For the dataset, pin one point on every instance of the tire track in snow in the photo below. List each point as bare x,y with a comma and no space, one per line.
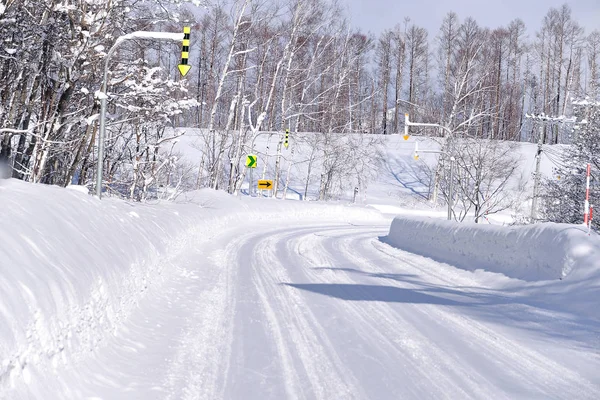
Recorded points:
406,357
310,368
250,336
201,360
521,366
527,364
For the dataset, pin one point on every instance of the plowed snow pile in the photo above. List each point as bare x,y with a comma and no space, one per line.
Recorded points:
74,267
554,258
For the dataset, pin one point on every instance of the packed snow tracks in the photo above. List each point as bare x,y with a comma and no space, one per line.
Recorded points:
329,311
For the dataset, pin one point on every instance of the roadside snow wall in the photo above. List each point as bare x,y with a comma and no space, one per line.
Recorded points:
532,253
73,268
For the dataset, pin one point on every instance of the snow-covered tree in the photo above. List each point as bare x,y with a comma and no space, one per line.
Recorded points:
564,192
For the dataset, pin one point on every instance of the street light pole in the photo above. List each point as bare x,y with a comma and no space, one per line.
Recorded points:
102,95
408,123
450,184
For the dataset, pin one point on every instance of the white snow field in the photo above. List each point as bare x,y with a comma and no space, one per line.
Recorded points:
398,184
218,297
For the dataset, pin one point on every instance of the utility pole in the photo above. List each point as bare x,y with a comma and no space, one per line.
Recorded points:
543,120
536,182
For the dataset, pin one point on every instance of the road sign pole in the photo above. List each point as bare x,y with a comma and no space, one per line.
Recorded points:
250,183
250,164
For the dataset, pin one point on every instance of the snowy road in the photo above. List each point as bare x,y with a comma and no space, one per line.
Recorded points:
329,311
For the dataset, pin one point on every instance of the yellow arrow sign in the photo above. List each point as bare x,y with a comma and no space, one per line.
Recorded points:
265,184
184,67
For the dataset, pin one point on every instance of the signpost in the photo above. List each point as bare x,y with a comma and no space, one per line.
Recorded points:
251,164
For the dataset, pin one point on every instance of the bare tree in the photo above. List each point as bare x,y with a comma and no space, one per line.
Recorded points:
384,50
593,58
446,48
417,51
484,169
399,57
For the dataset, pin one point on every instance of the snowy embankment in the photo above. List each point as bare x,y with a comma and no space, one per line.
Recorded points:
532,253
73,267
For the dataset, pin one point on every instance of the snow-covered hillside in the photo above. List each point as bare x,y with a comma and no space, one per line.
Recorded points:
218,296
393,179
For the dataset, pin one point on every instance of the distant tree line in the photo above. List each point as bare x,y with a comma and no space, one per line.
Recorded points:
263,66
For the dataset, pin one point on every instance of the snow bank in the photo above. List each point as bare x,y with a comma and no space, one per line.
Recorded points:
532,253
74,267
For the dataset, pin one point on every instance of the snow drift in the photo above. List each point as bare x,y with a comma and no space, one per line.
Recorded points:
74,267
532,253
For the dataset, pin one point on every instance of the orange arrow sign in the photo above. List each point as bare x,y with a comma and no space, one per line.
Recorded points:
265,184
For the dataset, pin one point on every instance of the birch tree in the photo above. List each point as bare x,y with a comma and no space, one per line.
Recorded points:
593,61
384,58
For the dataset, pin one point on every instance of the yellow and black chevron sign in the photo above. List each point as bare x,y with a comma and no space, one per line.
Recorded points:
184,67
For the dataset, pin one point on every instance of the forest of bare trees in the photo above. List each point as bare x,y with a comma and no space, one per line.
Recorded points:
261,65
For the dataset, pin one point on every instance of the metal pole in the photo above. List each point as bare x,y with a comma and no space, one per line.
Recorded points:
586,210
590,220
536,182
407,122
103,95
451,189
250,173
250,184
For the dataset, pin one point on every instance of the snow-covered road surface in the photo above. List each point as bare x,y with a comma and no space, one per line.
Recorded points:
329,311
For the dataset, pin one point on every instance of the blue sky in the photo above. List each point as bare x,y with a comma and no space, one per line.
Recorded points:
376,15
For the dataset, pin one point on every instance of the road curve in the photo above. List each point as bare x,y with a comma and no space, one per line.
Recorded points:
329,311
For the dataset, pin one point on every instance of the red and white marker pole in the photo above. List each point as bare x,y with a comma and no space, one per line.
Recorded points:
591,217
586,206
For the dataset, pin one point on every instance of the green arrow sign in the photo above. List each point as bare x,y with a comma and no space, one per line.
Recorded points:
251,161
